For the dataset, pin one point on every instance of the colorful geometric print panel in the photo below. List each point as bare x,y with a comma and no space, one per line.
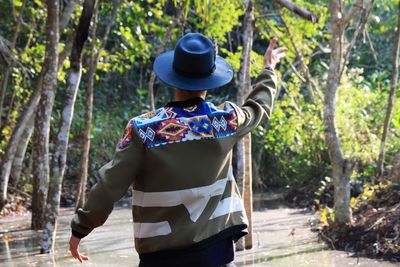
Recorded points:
127,137
176,124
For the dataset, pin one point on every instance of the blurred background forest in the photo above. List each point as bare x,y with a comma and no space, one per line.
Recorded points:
290,153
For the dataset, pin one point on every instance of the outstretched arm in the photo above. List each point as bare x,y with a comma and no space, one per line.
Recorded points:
115,179
258,105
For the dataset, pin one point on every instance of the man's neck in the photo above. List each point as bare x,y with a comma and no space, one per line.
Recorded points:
182,95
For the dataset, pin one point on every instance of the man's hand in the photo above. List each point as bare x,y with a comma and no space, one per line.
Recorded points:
74,249
273,56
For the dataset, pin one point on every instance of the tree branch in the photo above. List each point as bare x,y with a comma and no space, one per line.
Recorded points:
357,5
360,28
66,14
82,33
371,46
298,10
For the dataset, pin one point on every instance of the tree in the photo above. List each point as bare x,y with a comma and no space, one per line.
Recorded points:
20,153
48,75
60,151
391,98
342,167
94,58
26,115
243,147
41,133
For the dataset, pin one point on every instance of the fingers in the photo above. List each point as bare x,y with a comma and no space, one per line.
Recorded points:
279,53
281,50
271,47
80,257
273,56
85,258
75,254
73,248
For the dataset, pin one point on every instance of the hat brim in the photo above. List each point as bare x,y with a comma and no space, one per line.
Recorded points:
162,67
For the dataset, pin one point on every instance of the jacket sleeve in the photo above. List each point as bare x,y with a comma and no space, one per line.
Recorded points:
257,107
115,178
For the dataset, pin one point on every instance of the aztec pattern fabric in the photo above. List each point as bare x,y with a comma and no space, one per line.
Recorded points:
178,124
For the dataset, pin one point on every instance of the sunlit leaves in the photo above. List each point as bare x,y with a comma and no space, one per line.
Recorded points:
222,17
17,3
360,116
297,34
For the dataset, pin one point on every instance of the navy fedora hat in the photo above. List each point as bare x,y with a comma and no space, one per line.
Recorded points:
193,65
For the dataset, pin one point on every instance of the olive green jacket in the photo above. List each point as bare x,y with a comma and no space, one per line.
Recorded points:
178,161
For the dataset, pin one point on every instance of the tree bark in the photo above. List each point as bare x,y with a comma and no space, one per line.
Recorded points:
94,58
244,173
12,144
42,121
341,168
161,48
19,129
66,14
298,10
395,174
20,153
25,116
60,151
391,98
26,136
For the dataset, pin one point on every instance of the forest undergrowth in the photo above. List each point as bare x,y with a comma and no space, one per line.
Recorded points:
375,231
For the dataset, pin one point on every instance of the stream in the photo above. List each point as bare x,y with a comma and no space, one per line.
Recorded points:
281,237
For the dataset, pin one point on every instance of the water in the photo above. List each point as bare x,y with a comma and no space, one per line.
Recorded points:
281,238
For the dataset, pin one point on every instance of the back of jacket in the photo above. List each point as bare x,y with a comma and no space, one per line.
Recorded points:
178,160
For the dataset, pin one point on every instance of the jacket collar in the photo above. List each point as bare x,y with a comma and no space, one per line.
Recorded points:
185,103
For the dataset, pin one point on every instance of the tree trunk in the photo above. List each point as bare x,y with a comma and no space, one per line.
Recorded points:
20,153
94,58
42,121
66,14
161,48
12,144
244,173
60,151
23,119
395,174
248,190
391,99
341,168
240,174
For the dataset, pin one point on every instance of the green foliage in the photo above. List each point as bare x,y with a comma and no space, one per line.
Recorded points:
293,143
295,139
222,17
298,35
361,111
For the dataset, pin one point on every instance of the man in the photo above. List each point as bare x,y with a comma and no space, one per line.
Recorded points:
187,209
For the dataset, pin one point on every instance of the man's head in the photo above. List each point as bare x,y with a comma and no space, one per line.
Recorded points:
193,66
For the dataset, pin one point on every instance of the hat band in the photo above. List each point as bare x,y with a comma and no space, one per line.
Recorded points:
194,75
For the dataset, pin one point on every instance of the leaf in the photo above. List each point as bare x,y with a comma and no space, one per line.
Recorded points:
38,2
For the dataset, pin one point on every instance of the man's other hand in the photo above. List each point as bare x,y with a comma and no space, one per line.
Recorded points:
273,56
74,249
